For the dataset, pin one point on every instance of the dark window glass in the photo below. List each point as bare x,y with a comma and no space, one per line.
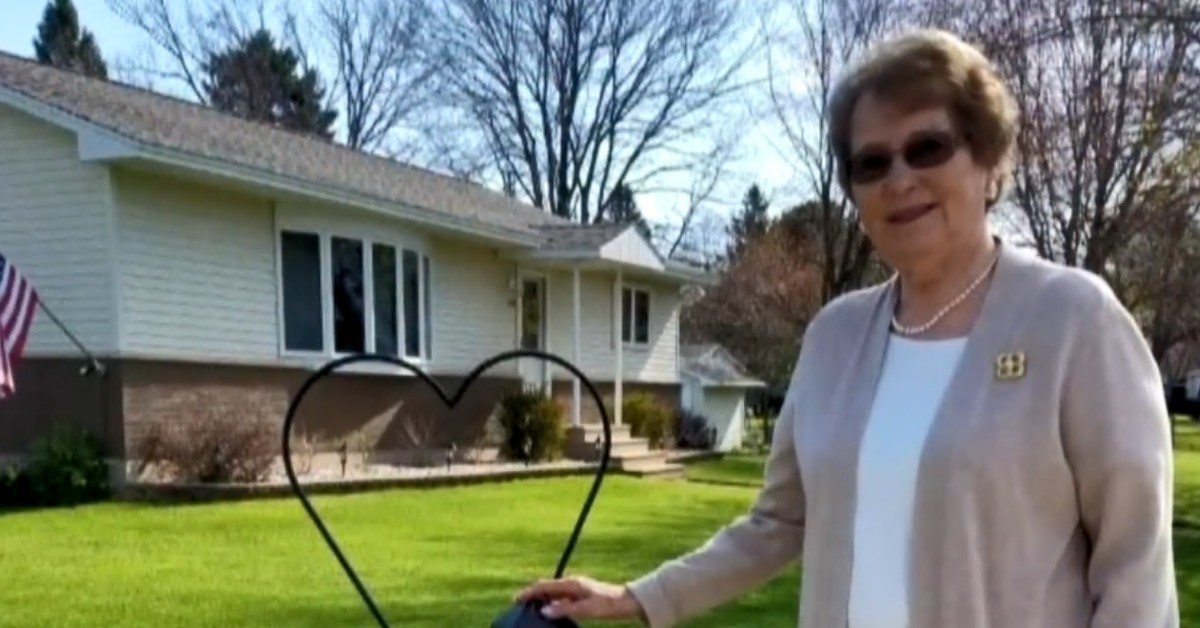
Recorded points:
383,263
346,266
427,290
626,308
641,317
300,255
412,304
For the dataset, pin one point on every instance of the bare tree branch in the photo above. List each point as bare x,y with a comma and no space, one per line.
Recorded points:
831,33
576,98
381,60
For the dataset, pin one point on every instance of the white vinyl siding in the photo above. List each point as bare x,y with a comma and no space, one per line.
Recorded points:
197,277
474,317
56,229
656,361
200,278
631,248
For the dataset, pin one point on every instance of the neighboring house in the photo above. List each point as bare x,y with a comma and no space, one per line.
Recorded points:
213,263
714,385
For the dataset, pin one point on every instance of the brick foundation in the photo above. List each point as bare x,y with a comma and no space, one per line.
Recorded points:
391,416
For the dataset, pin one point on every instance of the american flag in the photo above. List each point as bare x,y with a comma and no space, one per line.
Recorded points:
18,300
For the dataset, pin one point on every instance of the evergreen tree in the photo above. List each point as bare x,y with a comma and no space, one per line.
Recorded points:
258,80
61,42
622,208
750,223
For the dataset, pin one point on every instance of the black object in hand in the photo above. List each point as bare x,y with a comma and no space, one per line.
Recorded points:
528,615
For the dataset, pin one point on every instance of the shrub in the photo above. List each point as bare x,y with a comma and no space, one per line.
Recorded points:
648,418
692,431
533,427
15,489
65,468
210,448
68,467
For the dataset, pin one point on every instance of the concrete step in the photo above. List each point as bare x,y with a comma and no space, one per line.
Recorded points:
620,449
649,457
660,470
583,443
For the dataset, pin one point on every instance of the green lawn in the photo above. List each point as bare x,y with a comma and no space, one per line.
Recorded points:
433,557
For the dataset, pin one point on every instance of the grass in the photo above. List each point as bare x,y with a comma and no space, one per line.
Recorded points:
739,469
432,558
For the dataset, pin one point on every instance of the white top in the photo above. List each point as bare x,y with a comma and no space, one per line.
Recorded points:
914,377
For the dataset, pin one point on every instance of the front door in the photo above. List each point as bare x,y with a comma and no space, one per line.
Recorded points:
532,328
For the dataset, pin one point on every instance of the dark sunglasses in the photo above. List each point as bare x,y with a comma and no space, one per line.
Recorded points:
923,149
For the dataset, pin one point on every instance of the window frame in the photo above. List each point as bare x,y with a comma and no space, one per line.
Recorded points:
630,322
368,237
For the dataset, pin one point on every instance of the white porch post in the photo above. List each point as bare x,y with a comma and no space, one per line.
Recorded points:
576,330
618,323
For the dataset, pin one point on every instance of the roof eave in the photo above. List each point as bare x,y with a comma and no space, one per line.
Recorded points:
98,143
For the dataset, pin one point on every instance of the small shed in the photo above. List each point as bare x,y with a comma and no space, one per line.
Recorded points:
714,385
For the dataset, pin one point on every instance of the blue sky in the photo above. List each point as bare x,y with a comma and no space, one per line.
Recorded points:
21,18
118,39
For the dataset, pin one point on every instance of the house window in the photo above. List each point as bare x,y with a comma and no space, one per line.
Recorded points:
351,295
300,255
635,316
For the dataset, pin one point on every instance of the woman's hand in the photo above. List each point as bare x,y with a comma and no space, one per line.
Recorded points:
580,597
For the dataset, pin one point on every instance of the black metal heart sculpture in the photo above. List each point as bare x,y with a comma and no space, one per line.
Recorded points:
519,615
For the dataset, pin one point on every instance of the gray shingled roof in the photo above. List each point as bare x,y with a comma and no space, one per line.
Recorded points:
574,237
714,363
161,121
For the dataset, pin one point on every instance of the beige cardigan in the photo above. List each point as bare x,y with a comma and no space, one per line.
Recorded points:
1044,498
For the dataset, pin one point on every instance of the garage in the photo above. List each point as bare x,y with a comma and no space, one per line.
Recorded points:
714,386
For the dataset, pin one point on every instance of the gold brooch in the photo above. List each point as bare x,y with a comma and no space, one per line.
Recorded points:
1010,366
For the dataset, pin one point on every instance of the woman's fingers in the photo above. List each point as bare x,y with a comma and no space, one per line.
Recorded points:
572,588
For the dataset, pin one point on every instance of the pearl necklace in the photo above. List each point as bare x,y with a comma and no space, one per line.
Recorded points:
912,331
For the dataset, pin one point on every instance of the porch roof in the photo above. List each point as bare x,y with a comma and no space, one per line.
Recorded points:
713,365
610,245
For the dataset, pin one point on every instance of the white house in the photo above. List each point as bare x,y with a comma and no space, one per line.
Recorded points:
714,385
211,260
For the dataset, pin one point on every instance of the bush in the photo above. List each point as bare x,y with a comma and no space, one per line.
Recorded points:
648,418
213,447
533,427
692,431
65,468
15,489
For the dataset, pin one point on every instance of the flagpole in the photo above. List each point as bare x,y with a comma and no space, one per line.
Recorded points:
93,364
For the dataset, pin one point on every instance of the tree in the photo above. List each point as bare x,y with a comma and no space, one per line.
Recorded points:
383,61
831,34
377,51
622,208
1157,273
750,223
257,80
62,43
761,305
1101,87
572,98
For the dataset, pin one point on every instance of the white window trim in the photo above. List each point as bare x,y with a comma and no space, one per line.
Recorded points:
635,288
368,237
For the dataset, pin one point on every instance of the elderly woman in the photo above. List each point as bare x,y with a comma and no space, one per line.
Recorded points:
981,440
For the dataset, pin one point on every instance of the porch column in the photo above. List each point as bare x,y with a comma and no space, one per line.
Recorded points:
576,330
618,323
